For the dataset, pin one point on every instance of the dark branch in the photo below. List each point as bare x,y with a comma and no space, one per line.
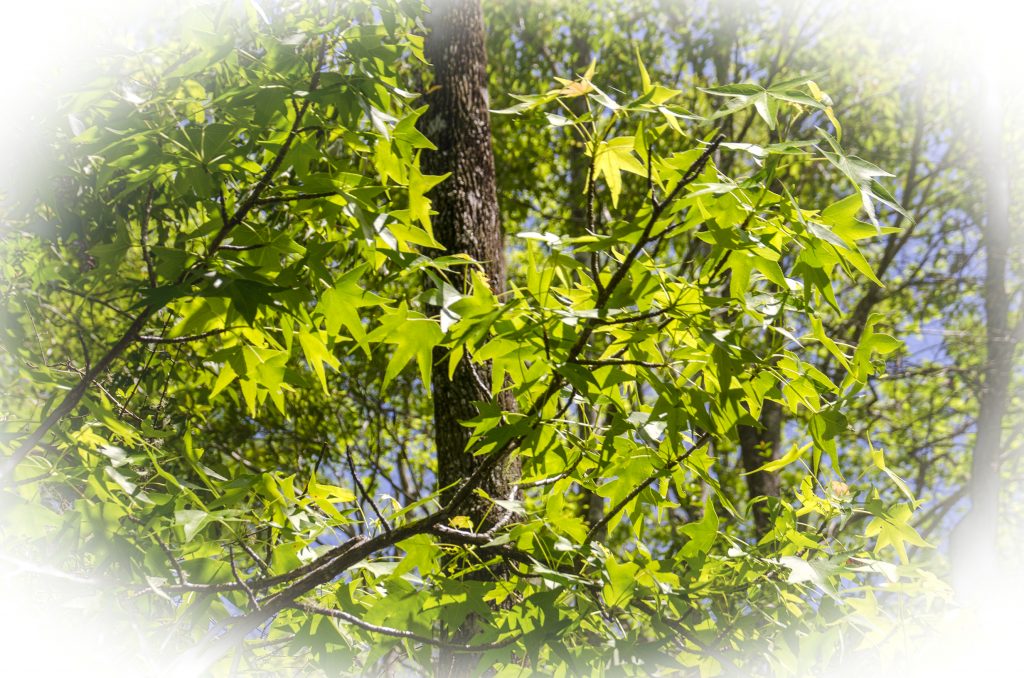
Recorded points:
398,633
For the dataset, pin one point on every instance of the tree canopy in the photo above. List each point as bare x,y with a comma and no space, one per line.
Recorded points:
311,366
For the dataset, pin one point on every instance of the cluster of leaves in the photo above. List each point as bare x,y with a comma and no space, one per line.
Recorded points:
225,297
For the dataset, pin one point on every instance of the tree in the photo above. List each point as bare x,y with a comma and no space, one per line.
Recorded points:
978,532
467,222
292,386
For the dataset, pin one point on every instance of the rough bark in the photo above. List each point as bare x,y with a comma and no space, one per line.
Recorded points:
758,446
467,221
467,218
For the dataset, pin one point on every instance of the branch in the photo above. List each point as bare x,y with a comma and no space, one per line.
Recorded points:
366,495
599,525
488,463
691,174
622,320
607,362
463,536
274,199
336,561
480,538
398,633
131,335
71,400
241,582
172,559
150,339
144,238
246,206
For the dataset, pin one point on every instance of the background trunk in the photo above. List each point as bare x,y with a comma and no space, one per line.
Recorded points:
975,551
591,503
759,446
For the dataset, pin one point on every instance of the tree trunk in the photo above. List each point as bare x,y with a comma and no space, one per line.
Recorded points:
758,446
975,542
467,221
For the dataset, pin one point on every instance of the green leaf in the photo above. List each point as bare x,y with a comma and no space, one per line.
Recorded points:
618,592
892,529
412,336
317,354
226,375
613,157
191,521
878,457
702,533
817,572
339,307
645,78
795,452
331,493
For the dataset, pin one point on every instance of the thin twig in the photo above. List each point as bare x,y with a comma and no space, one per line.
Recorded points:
339,559
650,180
399,633
147,256
252,554
365,494
142,375
241,582
94,300
554,479
622,320
242,248
595,269
179,573
610,362
273,199
151,339
131,334
599,525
